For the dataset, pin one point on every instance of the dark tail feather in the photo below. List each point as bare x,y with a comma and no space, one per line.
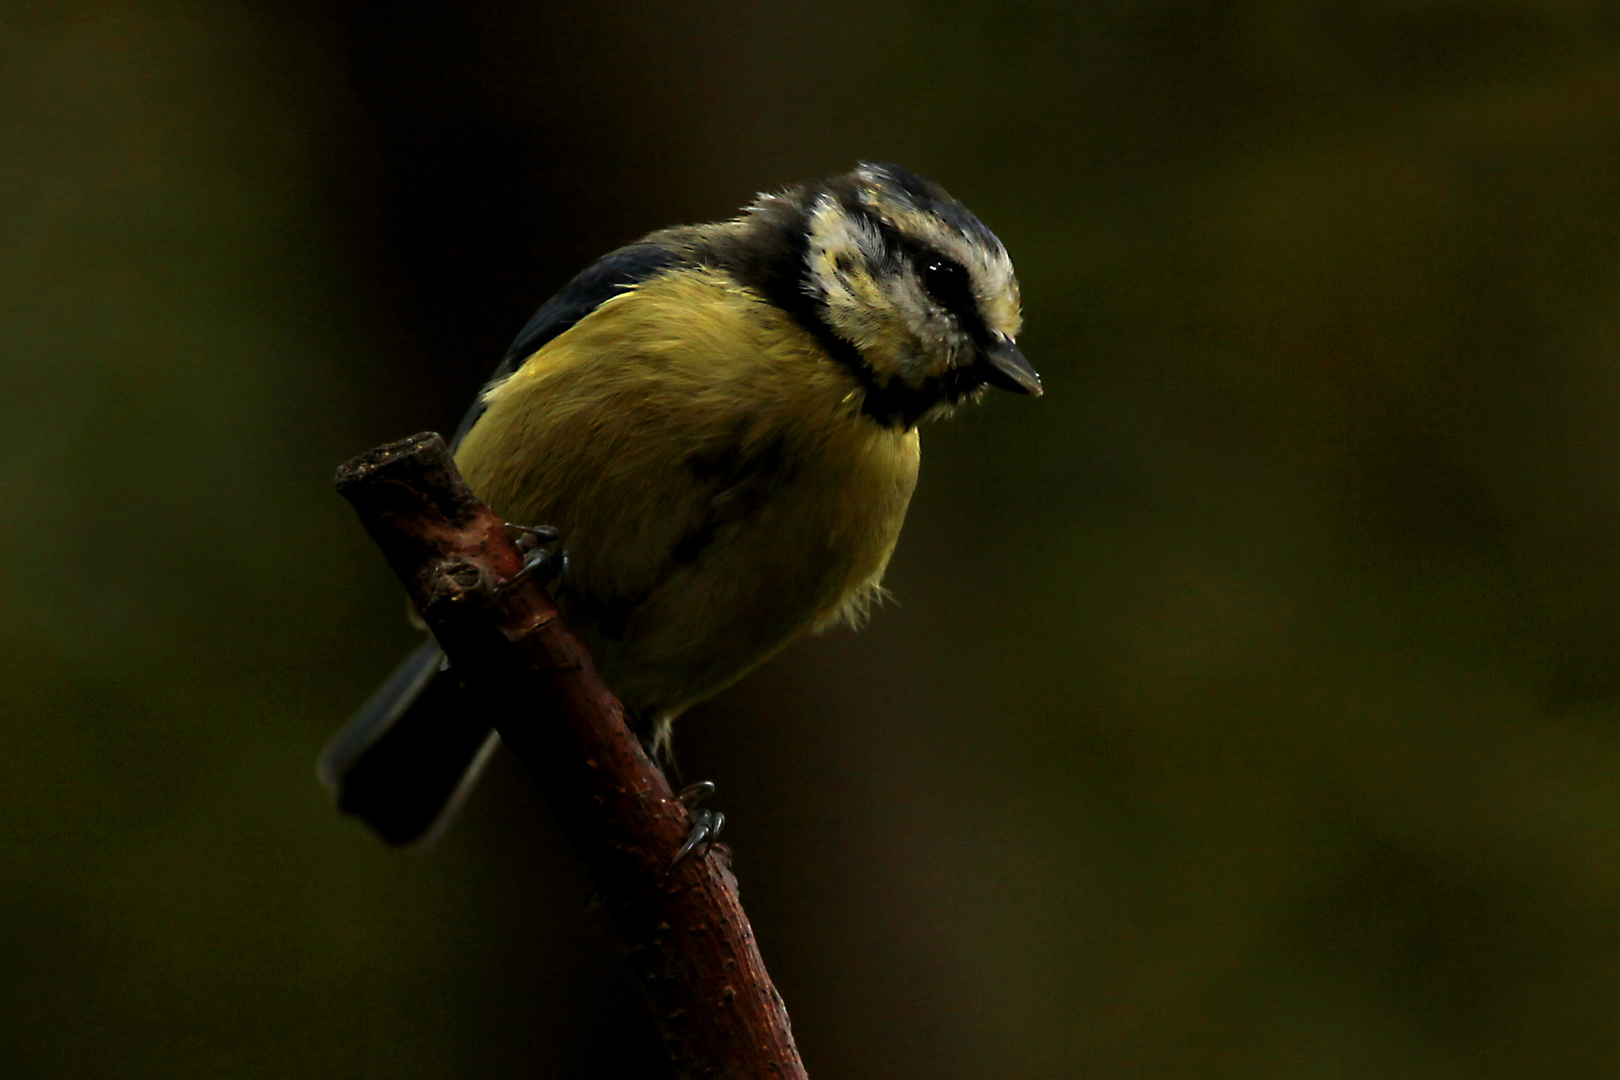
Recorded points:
411,754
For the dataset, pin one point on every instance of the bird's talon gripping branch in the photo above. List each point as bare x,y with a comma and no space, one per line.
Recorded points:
542,553
533,536
706,824
693,794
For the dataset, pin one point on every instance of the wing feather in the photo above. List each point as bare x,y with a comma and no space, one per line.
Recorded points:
590,289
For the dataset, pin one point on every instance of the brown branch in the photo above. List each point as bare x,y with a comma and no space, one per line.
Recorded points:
688,937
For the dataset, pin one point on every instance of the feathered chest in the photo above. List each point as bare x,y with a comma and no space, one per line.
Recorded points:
708,465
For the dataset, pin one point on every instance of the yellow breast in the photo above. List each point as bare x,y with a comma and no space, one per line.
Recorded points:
717,488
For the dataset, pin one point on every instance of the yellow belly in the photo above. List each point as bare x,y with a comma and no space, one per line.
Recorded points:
716,487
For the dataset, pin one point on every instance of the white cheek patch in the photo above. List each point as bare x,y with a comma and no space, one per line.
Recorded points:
841,250
834,233
919,310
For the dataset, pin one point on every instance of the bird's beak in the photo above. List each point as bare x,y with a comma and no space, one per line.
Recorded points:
1004,367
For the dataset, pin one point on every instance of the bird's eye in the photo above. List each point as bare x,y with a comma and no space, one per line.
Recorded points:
947,282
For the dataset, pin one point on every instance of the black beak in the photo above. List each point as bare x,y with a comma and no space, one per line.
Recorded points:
1004,367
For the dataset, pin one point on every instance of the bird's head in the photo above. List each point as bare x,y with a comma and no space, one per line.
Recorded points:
918,287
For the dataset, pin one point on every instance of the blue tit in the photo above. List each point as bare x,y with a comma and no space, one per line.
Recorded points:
721,421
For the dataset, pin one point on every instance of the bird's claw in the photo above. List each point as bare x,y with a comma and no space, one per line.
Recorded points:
706,824
543,554
692,794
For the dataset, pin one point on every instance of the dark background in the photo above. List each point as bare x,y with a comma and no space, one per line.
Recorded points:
1250,706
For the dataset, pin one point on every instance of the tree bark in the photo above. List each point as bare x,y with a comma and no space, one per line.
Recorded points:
688,937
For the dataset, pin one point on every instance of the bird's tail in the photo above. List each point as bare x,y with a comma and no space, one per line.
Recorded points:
407,759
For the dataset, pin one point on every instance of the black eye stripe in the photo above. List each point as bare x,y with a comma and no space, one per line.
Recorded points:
948,282
951,285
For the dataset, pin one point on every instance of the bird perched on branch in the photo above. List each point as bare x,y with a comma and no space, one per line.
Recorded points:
720,421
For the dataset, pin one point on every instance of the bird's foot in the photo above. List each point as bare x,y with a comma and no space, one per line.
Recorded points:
706,824
543,554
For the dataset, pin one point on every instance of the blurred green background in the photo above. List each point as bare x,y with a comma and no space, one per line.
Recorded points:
1250,706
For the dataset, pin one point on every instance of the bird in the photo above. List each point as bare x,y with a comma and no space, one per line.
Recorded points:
720,422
